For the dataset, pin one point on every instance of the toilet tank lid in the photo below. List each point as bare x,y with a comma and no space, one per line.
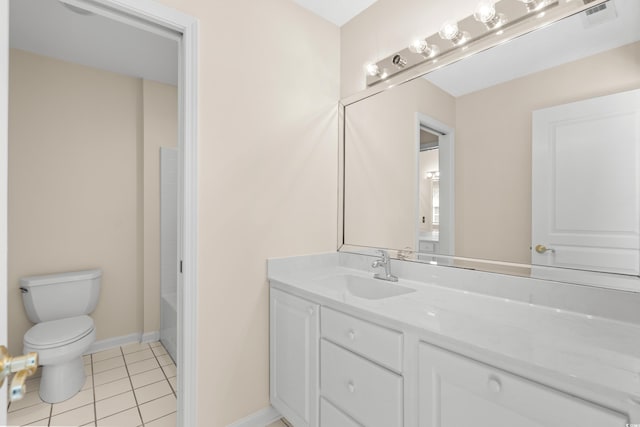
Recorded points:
49,279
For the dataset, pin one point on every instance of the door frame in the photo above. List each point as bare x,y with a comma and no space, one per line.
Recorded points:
447,177
150,16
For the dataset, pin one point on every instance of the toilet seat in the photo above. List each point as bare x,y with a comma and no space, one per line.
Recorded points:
58,333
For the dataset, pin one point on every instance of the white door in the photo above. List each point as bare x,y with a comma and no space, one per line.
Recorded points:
4,118
586,185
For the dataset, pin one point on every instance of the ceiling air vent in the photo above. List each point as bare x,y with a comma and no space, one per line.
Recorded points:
604,12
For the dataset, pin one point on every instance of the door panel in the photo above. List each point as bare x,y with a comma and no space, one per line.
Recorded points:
586,185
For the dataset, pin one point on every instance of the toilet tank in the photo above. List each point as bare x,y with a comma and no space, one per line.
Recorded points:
57,296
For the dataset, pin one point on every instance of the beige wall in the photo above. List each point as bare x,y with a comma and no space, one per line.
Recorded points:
73,136
389,26
381,163
160,128
493,148
268,88
84,183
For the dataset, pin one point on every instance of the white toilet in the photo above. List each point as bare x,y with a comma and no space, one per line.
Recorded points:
59,304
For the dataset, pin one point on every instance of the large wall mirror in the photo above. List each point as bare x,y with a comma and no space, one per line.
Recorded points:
525,154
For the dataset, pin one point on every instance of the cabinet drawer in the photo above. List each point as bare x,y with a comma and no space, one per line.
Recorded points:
330,416
367,392
492,397
374,342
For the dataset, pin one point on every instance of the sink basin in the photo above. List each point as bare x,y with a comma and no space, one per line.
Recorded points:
365,287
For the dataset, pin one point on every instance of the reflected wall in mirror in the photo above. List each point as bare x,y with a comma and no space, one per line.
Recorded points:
481,111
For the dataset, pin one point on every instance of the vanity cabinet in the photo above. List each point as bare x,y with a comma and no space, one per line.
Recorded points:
456,391
294,340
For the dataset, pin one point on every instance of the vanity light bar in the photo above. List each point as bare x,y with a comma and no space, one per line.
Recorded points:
490,17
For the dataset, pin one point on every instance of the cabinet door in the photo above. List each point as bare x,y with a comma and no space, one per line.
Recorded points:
455,391
294,334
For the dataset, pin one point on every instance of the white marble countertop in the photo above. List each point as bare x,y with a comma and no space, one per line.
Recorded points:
574,347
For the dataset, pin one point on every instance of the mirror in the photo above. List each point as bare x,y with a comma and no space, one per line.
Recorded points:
527,153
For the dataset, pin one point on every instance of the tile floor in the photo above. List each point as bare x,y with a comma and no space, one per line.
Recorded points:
133,385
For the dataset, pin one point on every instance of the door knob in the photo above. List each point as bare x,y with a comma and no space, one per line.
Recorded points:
542,249
21,366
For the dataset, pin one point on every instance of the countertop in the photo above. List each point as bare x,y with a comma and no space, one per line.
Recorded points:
585,349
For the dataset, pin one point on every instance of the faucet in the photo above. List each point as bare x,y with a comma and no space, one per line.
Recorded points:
385,262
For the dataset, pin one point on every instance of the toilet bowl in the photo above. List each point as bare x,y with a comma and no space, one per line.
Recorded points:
60,345
59,305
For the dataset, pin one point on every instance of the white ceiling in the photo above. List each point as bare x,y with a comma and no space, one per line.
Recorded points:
566,41
48,28
337,11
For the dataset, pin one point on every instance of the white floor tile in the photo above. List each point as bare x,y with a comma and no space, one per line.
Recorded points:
153,391
105,365
115,404
133,348
128,418
165,360
106,354
29,399
113,388
174,384
109,376
155,344
87,369
75,417
277,424
29,415
41,423
170,370
86,359
82,398
142,366
166,421
159,351
158,408
138,356
146,378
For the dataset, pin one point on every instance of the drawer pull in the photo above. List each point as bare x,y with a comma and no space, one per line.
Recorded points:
494,384
351,386
352,334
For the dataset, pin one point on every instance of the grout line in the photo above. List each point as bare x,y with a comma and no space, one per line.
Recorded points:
163,372
50,413
93,387
132,389
159,418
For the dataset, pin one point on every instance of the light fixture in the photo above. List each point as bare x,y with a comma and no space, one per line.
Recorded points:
486,13
533,5
420,46
450,31
399,61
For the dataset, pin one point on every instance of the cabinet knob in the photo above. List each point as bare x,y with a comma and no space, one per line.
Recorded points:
351,386
494,384
352,334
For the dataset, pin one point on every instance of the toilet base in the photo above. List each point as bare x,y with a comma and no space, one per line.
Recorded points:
62,381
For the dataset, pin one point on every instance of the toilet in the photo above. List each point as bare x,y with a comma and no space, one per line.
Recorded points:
59,305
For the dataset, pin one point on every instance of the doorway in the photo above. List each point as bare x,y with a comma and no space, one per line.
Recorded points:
148,18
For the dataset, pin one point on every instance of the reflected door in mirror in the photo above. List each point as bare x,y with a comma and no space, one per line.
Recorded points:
586,185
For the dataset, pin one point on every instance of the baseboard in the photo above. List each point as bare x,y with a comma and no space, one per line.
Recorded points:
150,337
262,418
110,343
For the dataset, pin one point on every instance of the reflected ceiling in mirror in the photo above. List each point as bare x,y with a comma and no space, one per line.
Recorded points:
492,112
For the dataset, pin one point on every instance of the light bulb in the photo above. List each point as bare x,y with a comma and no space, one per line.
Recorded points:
418,46
421,47
449,31
372,69
533,4
485,11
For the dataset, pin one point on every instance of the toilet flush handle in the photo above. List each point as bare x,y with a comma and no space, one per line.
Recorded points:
24,290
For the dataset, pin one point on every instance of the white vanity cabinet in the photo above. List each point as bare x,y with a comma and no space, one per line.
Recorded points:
294,340
456,391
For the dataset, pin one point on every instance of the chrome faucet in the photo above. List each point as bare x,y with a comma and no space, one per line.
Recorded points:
385,262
